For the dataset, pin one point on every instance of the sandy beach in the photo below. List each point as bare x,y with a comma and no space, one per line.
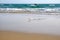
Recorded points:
8,35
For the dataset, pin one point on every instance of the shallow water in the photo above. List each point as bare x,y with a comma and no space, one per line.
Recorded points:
32,23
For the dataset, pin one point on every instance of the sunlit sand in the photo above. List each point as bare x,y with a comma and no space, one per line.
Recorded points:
6,35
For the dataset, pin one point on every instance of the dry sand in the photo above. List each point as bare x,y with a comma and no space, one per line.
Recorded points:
5,35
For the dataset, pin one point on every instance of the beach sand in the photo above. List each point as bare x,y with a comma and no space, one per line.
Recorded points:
8,35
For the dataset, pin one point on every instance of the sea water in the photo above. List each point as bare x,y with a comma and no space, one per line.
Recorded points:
31,23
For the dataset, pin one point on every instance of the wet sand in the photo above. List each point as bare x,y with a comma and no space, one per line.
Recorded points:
8,35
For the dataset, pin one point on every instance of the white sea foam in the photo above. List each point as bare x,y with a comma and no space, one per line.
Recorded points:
33,23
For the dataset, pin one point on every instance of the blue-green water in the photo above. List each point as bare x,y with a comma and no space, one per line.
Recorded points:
29,5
